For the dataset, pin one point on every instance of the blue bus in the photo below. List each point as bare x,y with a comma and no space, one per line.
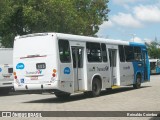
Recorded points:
154,66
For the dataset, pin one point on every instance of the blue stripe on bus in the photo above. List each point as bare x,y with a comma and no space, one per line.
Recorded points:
138,69
137,44
157,70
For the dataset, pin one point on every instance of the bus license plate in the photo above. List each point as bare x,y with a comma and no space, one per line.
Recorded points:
34,78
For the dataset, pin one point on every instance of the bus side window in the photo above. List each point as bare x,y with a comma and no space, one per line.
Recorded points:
137,54
121,53
104,52
129,53
64,51
158,63
93,52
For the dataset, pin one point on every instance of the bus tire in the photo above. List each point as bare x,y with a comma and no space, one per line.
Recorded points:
96,87
138,82
62,95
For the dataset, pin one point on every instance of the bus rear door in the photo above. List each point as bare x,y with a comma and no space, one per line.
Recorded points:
78,60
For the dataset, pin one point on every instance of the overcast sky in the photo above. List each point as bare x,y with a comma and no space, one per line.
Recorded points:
132,18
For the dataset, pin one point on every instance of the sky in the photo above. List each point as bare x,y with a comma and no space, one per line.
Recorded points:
132,20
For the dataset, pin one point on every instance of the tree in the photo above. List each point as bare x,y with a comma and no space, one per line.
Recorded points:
154,50
20,17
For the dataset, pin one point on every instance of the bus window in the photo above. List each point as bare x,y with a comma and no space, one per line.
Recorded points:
93,52
137,54
64,51
104,52
158,63
152,65
121,53
129,53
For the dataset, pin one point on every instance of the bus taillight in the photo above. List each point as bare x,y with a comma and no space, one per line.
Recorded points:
14,73
15,76
54,72
54,75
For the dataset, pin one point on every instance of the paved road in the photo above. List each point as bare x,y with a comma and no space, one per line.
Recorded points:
124,99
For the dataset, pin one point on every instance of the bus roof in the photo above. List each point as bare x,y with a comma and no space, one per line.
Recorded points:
83,38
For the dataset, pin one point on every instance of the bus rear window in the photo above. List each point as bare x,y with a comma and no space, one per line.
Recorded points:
64,51
10,70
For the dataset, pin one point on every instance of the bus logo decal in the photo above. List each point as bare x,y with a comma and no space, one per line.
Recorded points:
34,72
20,66
67,70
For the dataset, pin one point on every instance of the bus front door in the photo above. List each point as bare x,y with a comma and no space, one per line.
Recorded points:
77,56
113,66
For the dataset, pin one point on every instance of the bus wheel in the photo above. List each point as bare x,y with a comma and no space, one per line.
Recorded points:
138,82
62,95
96,87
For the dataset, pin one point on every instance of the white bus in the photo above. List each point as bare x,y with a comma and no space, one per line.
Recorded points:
154,66
67,64
6,70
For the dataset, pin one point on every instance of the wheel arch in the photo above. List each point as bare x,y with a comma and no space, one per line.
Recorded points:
98,76
137,74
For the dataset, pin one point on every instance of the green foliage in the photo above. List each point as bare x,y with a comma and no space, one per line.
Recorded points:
154,50
20,17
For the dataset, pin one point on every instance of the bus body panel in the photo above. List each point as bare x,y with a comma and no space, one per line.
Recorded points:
126,73
66,77
158,70
6,68
101,70
6,76
34,61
